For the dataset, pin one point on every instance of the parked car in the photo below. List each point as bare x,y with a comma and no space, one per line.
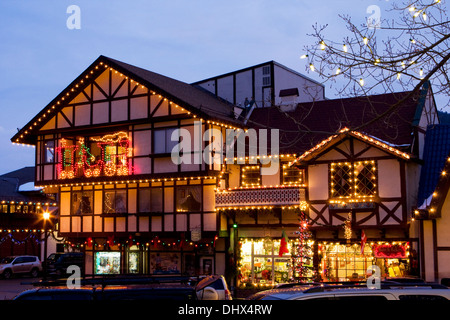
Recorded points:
57,263
111,293
132,288
56,293
406,291
213,288
13,265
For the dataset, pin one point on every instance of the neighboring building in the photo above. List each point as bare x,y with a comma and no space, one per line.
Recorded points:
22,206
264,85
432,214
341,181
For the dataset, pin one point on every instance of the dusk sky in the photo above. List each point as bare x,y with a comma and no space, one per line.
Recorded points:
185,40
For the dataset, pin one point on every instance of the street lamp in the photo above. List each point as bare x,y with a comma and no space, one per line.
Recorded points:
46,216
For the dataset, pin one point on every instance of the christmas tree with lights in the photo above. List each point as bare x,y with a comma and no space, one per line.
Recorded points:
302,252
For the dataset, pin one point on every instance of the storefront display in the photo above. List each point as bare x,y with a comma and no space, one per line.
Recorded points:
342,262
260,263
133,262
107,262
165,263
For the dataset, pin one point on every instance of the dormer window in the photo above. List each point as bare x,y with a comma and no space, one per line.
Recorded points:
292,175
250,176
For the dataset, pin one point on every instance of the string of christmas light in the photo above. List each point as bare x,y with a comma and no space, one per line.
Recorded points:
114,158
302,252
416,42
155,243
371,140
141,181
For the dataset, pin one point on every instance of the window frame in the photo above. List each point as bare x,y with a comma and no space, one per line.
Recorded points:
150,211
115,191
243,177
72,211
302,174
167,140
351,181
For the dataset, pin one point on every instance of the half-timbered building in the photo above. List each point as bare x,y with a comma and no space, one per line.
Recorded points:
338,184
104,146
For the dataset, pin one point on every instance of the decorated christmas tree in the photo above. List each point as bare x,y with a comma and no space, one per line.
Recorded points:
302,252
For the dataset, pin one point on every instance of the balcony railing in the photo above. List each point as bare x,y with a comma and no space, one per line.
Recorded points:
261,197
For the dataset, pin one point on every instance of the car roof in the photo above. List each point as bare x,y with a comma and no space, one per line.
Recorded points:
312,289
281,293
289,294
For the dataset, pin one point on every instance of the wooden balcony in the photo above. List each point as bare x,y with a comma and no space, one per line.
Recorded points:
280,196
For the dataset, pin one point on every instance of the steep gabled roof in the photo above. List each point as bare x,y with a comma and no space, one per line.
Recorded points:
197,101
435,155
343,134
311,123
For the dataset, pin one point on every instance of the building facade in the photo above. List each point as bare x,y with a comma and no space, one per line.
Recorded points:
22,225
264,85
104,145
144,185
345,198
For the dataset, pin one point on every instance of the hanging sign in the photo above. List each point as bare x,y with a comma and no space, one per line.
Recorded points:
196,234
390,251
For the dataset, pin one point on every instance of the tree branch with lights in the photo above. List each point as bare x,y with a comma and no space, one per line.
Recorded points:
392,56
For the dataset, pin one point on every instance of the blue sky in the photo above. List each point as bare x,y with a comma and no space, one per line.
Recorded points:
186,40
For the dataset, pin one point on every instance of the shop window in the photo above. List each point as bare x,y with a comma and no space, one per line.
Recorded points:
342,262
292,175
115,201
355,180
107,262
150,200
260,263
162,140
133,261
250,176
188,198
82,202
165,263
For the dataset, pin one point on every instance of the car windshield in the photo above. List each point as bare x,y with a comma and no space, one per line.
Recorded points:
53,257
7,260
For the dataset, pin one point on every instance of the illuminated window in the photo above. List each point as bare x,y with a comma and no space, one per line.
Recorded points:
261,264
188,198
292,174
82,202
115,201
250,176
353,179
